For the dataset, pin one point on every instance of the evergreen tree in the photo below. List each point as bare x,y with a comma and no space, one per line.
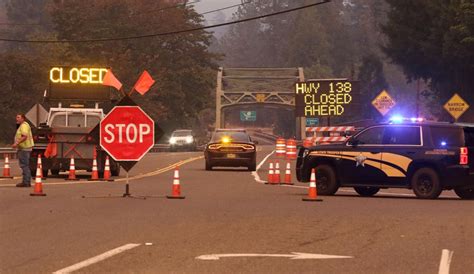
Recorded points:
434,40
182,66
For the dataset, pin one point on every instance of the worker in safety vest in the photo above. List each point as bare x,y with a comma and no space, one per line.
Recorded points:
24,143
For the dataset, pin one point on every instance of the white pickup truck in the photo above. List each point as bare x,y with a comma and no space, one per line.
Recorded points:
67,133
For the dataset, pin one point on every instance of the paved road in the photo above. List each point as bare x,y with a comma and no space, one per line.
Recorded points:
226,211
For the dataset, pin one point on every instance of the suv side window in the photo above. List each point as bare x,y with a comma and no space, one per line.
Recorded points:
402,135
469,136
371,136
451,136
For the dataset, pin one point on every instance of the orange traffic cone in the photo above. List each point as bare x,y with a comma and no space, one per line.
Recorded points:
72,171
277,178
176,192
288,174
312,191
107,174
95,172
271,174
38,191
6,168
39,165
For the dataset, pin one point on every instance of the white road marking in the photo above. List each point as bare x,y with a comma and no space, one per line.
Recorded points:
292,256
446,256
96,259
148,243
255,173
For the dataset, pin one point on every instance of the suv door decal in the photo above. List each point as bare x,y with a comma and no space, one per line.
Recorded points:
394,159
339,155
396,165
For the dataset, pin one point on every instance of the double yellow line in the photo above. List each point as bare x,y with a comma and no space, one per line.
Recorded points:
162,170
140,176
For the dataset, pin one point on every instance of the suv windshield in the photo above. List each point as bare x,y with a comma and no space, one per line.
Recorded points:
235,136
182,133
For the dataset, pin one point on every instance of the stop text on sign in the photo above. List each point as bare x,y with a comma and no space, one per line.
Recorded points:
75,75
122,133
323,97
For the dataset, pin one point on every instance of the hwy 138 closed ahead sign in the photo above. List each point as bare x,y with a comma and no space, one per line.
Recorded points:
324,97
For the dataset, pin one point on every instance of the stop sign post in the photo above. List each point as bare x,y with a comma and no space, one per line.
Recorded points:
127,133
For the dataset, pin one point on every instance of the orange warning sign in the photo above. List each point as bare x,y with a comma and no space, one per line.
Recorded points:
456,106
383,102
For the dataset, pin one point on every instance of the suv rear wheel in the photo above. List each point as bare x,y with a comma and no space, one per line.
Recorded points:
366,191
465,193
425,183
326,183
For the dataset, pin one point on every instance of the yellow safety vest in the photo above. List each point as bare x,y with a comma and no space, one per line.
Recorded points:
25,130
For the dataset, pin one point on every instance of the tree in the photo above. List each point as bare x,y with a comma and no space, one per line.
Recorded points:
372,80
434,40
181,64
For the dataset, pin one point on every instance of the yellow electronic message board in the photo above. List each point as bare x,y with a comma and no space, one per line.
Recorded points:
78,83
324,97
73,75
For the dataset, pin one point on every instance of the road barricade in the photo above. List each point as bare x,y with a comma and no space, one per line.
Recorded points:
336,134
290,149
280,147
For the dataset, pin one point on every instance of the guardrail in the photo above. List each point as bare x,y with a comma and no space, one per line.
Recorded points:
265,136
156,148
7,150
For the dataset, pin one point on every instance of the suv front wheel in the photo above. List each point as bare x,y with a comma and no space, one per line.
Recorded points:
326,183
425,183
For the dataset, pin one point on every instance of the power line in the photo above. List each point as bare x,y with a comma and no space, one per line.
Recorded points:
102,19
136,14
226,8
167,33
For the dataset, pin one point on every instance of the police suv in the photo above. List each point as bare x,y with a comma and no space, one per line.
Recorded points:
427,157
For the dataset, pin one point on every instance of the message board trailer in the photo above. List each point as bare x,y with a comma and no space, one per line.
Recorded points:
325,97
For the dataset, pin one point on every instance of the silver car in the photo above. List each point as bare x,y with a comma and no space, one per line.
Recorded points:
182,139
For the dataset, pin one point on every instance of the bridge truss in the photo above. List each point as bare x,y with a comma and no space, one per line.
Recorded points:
256,86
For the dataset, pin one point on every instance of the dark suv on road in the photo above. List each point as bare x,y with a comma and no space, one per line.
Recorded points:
428,157
231,148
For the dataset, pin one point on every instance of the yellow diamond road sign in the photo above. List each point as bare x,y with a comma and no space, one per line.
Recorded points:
383,103
456,106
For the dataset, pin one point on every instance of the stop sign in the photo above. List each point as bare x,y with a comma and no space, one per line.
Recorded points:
127,133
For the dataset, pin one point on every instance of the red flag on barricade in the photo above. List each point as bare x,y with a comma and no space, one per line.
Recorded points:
52,149
144,83
111,80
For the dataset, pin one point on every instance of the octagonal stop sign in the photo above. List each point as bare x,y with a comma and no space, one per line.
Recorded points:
127,133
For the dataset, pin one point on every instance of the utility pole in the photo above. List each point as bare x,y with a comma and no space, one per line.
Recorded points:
418,98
